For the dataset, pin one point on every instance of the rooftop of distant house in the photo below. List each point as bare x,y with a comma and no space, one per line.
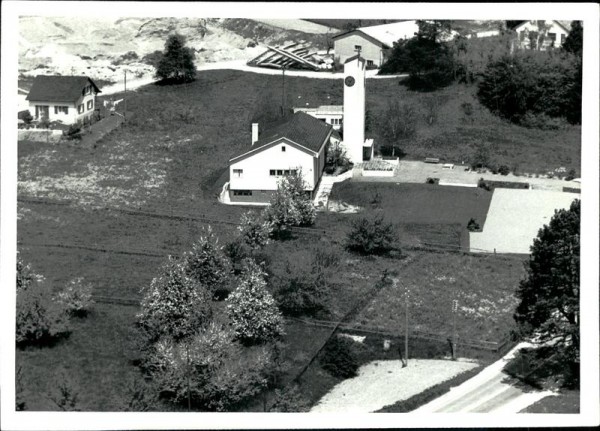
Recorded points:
53,88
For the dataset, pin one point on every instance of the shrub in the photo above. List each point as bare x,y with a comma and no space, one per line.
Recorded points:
290,205
174,305
371,235
140,396
338,358
73,132
254,315
430,180
541,121
303,287
473,226
571,175
503,170
254,230
483,185
64,394
76,297
40,319
289,401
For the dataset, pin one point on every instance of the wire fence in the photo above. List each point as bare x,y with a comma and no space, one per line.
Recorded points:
329,233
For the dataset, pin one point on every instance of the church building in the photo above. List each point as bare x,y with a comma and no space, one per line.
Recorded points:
298,144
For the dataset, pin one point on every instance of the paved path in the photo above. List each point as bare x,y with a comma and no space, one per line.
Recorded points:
324,190
490,391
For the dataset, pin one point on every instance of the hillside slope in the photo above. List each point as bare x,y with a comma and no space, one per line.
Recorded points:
102,47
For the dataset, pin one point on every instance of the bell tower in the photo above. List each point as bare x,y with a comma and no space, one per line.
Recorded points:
354,108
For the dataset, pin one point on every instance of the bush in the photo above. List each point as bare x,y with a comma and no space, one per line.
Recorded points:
73,132
290,205
76,297
541,121
40,319
473,226
289,401
371,235
338,358
254,230
430,180
303,288
571,175
503,170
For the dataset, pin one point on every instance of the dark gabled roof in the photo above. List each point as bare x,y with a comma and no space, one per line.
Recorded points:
59,88
354,57
302,129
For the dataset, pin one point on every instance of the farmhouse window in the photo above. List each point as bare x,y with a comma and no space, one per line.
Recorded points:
242,192
61,109
369,62
562,38
280,172
80,108
522,36
357,47
283,148
272,172
238,173
90,104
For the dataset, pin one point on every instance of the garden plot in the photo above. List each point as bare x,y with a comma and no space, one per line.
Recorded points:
515,217
382,383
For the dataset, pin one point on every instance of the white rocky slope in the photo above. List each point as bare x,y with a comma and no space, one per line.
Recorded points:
95,46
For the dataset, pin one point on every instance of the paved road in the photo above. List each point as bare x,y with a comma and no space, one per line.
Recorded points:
490,391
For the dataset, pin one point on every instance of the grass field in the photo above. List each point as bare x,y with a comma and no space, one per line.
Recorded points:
171,158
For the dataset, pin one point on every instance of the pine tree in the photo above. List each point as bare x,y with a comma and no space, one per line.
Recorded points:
177,62
549,296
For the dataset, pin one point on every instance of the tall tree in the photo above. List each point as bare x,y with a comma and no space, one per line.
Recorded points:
574,41
426,58
290,205
549,296
254,315
177,61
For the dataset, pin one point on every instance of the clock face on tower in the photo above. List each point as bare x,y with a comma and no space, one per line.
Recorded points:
349,81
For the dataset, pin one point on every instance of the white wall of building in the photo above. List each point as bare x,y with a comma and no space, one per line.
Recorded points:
256,168
73,115
345,47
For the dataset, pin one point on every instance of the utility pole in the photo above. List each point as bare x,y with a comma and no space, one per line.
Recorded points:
454,311
189,396
125,99
405,364
282,89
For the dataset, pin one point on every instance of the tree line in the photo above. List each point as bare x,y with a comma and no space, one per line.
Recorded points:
525,86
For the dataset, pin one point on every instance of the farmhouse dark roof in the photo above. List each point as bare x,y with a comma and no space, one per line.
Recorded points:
59,88
354,57
301,128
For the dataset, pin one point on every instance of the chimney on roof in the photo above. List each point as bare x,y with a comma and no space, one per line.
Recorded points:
254,133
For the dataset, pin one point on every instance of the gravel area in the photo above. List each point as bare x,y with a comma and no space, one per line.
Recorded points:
382,383
515,217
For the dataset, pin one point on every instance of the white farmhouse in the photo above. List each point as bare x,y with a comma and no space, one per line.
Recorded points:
295,145
372,42
543,34
69,99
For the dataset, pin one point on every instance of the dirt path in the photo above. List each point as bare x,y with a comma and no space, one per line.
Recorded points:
490,391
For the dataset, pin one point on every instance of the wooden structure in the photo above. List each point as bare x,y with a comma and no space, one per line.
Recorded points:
293,56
